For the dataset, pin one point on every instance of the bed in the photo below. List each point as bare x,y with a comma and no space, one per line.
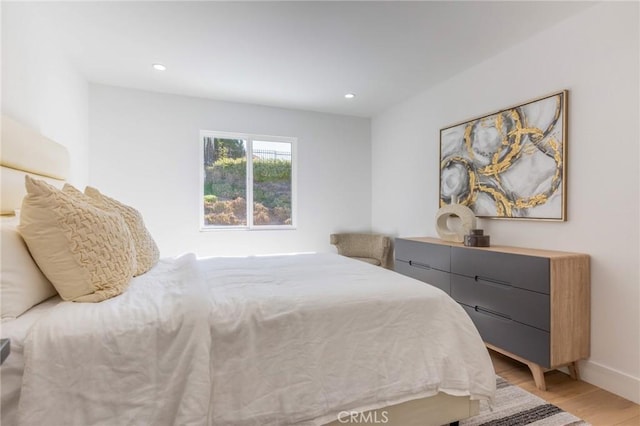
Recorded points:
305,339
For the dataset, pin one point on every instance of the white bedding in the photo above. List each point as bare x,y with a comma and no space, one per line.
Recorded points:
12,369
251,341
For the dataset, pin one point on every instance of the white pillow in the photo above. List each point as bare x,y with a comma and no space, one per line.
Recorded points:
22,285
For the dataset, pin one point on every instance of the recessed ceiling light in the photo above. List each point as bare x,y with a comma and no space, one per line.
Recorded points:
350,96
159,67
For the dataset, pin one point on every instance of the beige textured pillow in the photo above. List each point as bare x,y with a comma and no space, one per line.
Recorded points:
80,196
86,253
147,253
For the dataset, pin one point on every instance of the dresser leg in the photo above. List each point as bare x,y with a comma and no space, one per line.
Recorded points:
536,370
538,376
573,370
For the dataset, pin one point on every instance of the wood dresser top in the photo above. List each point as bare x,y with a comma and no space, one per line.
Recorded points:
500,249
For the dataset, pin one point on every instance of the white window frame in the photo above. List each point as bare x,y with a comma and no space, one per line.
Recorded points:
250,226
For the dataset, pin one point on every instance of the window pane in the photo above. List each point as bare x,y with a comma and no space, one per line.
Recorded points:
271,183
225,182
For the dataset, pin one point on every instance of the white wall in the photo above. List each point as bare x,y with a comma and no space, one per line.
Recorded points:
595,56
41,88
144,150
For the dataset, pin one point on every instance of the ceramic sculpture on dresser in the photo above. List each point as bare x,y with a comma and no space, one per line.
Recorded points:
453,210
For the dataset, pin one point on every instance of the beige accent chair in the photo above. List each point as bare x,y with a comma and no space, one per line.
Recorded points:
370,248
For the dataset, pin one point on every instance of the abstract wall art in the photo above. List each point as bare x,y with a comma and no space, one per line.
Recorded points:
509,164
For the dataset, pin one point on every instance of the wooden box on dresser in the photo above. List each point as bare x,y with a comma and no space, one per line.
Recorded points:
531,305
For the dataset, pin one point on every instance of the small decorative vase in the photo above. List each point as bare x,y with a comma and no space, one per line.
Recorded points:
467,219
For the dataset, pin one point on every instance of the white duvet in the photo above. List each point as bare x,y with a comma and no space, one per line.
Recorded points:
250,341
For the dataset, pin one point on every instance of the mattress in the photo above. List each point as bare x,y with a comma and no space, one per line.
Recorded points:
268,340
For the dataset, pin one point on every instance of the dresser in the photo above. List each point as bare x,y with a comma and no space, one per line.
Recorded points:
531,305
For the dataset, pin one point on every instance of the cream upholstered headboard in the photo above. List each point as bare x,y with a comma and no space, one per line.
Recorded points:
26,151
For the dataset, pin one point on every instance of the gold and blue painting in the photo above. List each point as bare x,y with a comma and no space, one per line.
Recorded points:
509,164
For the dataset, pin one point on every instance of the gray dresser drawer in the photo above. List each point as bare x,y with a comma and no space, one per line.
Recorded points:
527,342
527,272
430,276
429,255
522,306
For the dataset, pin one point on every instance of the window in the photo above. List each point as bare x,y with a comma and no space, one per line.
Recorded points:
248,181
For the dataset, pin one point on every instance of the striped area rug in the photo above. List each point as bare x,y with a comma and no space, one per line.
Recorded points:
515,407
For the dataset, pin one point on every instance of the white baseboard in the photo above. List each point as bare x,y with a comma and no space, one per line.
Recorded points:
611,380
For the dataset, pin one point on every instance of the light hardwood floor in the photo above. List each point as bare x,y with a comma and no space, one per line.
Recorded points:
590,403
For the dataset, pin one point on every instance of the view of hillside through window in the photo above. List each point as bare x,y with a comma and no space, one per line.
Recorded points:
247,182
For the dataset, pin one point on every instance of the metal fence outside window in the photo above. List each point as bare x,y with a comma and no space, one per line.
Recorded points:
269,154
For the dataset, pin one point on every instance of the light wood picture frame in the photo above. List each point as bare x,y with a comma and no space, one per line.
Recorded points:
510,164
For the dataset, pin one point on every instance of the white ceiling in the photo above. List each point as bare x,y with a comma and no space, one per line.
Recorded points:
301,55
